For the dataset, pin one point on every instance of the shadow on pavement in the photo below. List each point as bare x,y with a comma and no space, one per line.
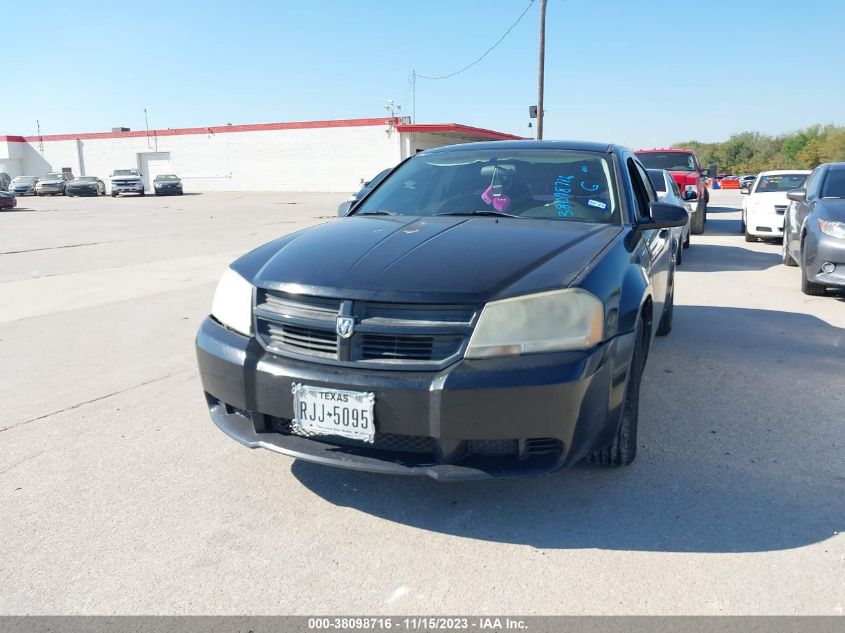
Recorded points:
712,209
723,227
714,257
740,451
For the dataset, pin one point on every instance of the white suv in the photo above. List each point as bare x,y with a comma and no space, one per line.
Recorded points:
766,201
126,181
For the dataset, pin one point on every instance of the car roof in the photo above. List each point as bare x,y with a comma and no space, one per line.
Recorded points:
582,146
836,166
780,172
668,149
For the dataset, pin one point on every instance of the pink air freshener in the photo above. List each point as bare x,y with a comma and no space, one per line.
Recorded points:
499,202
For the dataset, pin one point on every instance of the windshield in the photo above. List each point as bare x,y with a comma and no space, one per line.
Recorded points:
834,184
87,179
51,177
526,183
657,179
779,183
24,180
167,177
125,172
673,161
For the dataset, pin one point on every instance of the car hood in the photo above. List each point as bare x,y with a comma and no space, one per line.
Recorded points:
21,185
51,182
83,183
432,259
160,183
125,178
832,209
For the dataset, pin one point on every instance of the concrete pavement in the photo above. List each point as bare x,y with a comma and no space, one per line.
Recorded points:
119,496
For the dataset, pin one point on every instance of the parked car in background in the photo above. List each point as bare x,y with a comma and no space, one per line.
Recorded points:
23,185
126,181
85,186
486,311
765,202
167,184
746,181
5,181
691,177
667,191
8,200
53,184
814,229
366,187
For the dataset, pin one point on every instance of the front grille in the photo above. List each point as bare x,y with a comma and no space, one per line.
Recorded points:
382,441
298,339
385,334
492,447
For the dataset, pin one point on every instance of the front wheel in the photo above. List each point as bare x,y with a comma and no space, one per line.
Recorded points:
748,236
623,450
142,193
696,225
788,260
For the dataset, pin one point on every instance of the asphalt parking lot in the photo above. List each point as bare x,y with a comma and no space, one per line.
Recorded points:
119,496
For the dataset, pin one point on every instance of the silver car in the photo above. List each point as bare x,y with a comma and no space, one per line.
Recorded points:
667,191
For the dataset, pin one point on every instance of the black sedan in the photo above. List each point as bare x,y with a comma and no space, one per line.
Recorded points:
486,310
85,186
814,229
167,185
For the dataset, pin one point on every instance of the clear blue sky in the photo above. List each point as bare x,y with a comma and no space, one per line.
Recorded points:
638,73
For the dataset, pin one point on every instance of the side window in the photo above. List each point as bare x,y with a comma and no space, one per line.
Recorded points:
812,184
641,193
675,187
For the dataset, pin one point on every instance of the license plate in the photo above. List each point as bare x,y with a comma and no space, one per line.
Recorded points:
334,412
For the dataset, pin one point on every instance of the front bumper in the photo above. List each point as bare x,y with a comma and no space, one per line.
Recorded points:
474,419
50,189
8,203
168,190
764,224
134,188
821,250
82,191
23,192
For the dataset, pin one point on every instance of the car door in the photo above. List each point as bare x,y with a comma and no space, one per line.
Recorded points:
657,242
798,211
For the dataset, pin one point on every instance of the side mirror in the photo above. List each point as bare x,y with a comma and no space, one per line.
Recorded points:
797,195
711,170
745,190
343,208
690,195
663,216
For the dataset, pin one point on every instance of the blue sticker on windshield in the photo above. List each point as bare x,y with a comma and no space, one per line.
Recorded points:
598,204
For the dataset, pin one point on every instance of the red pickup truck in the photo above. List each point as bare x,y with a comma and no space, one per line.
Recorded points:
691,178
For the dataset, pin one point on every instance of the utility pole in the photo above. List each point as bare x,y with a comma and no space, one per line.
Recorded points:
413,96
541,69
147,124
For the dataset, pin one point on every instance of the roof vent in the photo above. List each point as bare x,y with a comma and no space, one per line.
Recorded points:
120,129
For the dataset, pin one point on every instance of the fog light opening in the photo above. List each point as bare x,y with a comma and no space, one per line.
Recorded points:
828,267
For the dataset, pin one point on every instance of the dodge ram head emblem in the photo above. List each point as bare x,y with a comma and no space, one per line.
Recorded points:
345,326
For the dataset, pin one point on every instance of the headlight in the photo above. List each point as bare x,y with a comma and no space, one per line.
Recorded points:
232,304
834,229
549,321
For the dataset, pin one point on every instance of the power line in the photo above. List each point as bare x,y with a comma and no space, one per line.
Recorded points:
485,53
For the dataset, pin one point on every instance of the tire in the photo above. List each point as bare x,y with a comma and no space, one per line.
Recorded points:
665,325
696,225
142,194
742,222
809,287
749,238
679,256
114,194
623,450
788,260
686,241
